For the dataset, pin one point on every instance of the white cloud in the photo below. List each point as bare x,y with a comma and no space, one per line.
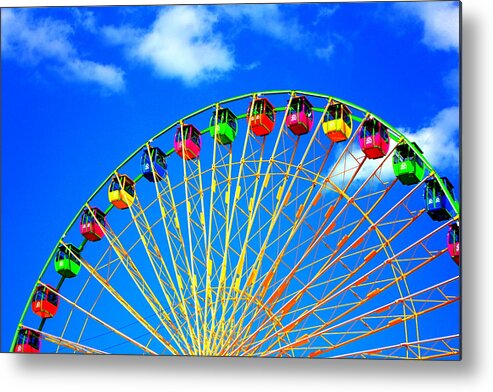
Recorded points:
440,22
183,44
122,35
385,172
452,82
325,13
251,66
86,19
325,53
105,75
344,171
266,19
273,21
439,140
31,41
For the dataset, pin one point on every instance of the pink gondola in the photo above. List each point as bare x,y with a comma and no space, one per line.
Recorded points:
453,242
187,141
300,116
92,224
28,341
374,139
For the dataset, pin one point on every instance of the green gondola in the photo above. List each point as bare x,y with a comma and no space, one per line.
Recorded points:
67,261
226,128
408,166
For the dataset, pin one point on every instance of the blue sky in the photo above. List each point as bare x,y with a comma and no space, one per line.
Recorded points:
83,87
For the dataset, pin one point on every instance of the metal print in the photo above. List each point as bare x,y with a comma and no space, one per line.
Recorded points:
266,180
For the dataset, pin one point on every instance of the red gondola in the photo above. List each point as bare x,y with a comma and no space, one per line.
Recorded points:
262,118
92,224
28,341
45,301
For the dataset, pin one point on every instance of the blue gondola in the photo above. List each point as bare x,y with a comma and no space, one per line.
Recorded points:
153,158
437,204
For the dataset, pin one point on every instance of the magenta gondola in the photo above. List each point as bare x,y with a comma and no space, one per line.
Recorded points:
453,242
374,139
300,116
28,341
187,141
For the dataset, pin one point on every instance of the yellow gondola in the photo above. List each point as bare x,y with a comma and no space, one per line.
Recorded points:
338,123
121,191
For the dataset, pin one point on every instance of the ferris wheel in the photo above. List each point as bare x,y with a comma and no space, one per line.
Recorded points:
275,224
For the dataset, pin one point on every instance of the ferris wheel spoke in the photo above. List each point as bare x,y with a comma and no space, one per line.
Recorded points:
388,316
257,196
376,321
191,167
220,206
440,347
159,266
129,250
225,228
296,296
294,225
170,220
246,154
111,268
369,286
66,343
86,321
282,196
204,257
95,274
249,150
176,247
208,255
142,284
198,237
327,215
90,315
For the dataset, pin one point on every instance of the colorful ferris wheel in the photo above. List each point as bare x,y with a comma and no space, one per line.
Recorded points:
273,224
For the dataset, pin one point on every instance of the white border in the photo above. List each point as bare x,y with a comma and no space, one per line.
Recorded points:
20,373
